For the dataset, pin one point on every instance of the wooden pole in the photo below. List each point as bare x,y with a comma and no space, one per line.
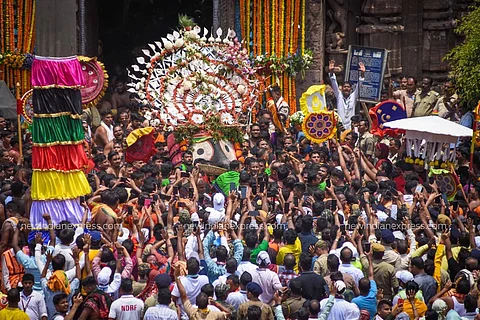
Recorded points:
19,122
476,118
365,109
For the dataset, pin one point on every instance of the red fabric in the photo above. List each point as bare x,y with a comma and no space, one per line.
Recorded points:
59,157
400,183
19,107
142,149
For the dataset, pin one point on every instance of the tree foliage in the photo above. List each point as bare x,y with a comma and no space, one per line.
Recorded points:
465,57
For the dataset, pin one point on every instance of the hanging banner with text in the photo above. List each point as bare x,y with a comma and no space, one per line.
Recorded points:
375,61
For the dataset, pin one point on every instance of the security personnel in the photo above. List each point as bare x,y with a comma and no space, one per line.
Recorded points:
425,100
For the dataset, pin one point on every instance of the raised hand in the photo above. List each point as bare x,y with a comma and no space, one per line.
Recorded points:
361,67
77,300
331,66
38,238
87,239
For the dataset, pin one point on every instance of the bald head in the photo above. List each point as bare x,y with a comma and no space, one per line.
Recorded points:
346,255
289,261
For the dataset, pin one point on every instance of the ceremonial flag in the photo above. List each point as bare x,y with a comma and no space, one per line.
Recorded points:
140,145
313,100
385,112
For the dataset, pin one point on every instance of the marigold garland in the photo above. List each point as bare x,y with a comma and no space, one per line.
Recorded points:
17,23
274,31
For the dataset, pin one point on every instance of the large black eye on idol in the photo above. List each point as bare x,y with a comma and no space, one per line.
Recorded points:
203,150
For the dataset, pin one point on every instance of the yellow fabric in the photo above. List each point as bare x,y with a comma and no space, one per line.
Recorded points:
313,100
59,282
420,251
13,314
420,306
53,185
91,254
455,252
273,110
137,134
437,274
295,249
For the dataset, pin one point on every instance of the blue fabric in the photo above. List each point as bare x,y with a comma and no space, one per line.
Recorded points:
69,210
214,270
368,302
307,238
49,294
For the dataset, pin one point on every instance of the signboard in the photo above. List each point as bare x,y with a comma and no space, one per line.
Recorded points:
375,61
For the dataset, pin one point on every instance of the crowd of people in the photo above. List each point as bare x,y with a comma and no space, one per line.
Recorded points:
342,230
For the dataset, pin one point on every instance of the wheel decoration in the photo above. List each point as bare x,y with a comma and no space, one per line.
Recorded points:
96,78
446,184
319,126
27,106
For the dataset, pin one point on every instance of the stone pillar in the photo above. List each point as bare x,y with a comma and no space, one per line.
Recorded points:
56,28
315,41
382,28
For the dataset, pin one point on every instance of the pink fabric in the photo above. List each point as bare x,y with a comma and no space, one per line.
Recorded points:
60,72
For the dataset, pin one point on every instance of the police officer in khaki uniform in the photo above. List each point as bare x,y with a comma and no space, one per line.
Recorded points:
425,100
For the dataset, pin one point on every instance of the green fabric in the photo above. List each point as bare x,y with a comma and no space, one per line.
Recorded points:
322,186
263,246
223,181
165,182
357,264
268,171
57,129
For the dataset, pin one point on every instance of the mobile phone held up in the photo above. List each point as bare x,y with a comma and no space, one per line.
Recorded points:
243,192
191,192
184,174
254,213
454,205
333,204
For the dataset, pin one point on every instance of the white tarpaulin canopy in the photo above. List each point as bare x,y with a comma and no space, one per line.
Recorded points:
8,103
430,137
431,124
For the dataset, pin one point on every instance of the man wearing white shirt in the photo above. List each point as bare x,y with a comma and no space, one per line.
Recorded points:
342,309
267,279
33,303
66,238
192,283
246,266
127,307
346,256
237,297
346,99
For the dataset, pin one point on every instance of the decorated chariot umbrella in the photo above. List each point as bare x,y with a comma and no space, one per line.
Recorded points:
431,139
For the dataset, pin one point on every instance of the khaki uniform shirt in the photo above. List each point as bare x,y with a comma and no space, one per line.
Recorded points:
366,143
445,107
405,99
320,266
195,314
424,103
267,313
291,306
384,276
